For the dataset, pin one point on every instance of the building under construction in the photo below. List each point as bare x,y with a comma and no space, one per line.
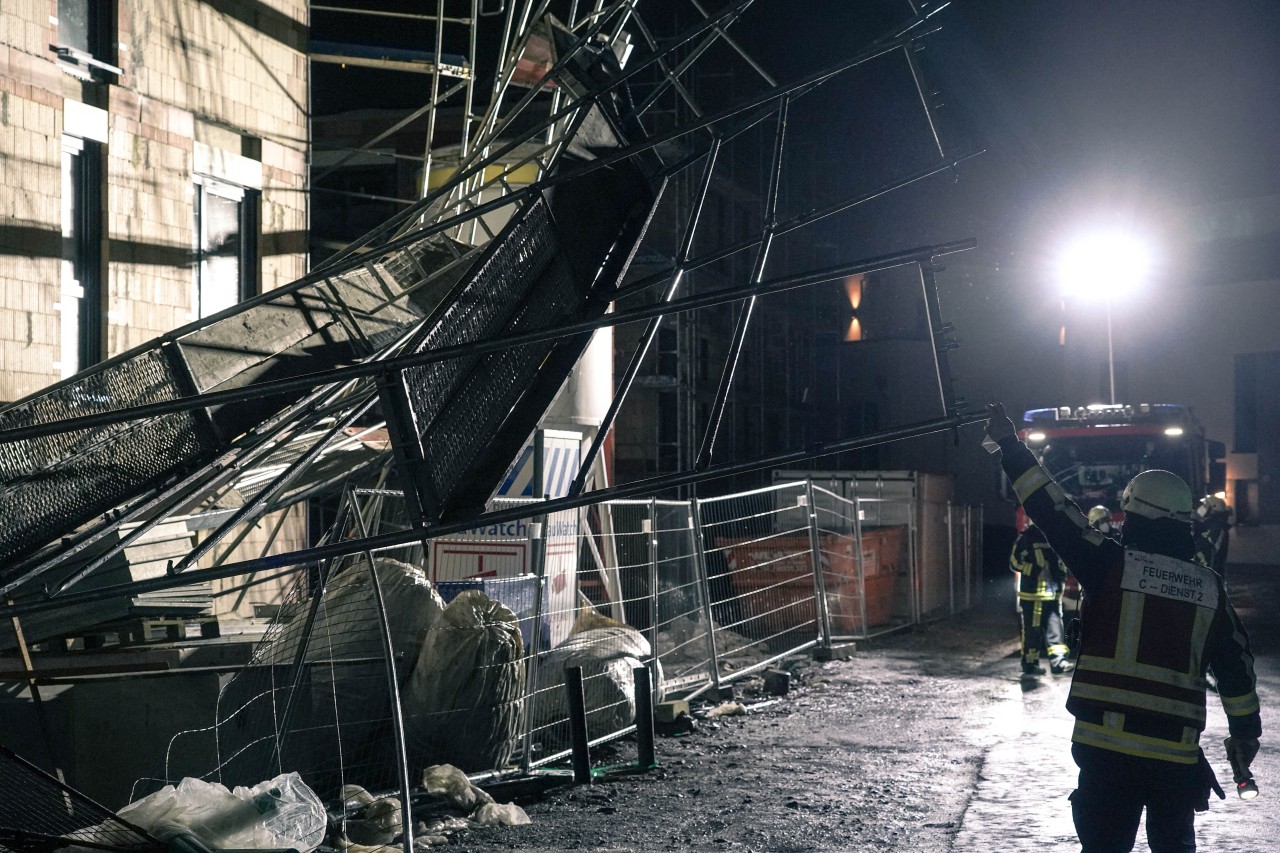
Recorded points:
370,497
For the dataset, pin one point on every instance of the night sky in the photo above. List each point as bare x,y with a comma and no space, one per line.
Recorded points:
1088,112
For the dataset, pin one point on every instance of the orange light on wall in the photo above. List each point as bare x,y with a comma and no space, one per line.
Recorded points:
853,290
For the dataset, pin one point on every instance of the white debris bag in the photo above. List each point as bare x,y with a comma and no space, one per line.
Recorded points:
279,813
463,705
380,822
500,814
445,780
607,656
346,676
347,624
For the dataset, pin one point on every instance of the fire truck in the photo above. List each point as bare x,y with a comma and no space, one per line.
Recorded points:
1094,451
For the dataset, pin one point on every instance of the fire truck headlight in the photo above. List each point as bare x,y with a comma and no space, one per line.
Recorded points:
1173,431
1035,436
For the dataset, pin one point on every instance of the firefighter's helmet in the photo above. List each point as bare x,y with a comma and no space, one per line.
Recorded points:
1158,494
1210,504
1098,515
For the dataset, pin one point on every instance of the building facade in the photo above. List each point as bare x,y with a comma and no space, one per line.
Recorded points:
153,159
154,171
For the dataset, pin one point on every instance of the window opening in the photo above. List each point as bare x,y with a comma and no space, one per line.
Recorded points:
80,297
226,246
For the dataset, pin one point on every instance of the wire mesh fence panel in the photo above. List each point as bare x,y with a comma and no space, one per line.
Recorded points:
37,812
866,560
760,575
604,625
663,597
684,636
462,694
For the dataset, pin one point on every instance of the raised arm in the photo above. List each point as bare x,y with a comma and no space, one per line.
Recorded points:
1065,527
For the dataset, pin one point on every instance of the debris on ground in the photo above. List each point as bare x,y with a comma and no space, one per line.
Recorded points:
279,813
375,823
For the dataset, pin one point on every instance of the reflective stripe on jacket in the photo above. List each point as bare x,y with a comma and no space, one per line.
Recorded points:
1041,575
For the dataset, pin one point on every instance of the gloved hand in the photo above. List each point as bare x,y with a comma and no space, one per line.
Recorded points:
1208,784
999,427
1241,751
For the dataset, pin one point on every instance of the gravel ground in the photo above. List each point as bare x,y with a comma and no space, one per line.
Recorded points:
925,741
877,751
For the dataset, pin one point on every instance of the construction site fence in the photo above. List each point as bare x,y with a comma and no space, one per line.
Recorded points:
364,679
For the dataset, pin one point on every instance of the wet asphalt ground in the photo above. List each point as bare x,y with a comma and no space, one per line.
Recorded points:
926,740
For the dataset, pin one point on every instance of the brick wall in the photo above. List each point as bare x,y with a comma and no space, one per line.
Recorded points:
30,157
231,76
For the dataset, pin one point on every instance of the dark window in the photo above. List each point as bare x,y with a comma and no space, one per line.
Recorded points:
226,268
1246,437
80,301
86,35
668,352
668,431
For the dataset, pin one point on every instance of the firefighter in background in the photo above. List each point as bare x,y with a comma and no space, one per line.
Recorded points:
1100,520
1156,622
1212,523
1041,581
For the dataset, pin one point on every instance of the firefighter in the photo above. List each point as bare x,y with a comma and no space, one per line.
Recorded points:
1155,623
1100,519
1041,580
1212,523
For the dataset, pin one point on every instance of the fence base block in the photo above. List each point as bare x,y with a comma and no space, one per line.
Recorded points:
835,651
667,712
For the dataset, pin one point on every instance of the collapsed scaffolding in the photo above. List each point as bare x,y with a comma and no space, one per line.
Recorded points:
407,373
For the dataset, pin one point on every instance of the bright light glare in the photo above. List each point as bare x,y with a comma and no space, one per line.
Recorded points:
1035,436
1173,431
1222,496
1103,265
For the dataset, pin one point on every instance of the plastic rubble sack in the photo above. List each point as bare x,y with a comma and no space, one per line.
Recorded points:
378,823
339,727
500,814
445,780
279,813
347,623
607,656
463,704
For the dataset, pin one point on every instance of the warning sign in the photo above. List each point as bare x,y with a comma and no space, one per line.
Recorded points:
1169,577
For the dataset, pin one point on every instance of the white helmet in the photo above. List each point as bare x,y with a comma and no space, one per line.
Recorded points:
1213,503
1158,494
1099,514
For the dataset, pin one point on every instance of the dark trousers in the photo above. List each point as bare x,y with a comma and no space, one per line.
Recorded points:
1115,788
1042,630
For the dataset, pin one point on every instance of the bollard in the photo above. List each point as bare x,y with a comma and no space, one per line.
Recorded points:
644,718
578,725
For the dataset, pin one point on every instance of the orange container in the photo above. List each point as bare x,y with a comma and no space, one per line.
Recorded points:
773,578
881,560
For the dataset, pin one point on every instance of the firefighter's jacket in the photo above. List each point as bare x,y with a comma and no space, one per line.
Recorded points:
1211,534
1153,626
1041,574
